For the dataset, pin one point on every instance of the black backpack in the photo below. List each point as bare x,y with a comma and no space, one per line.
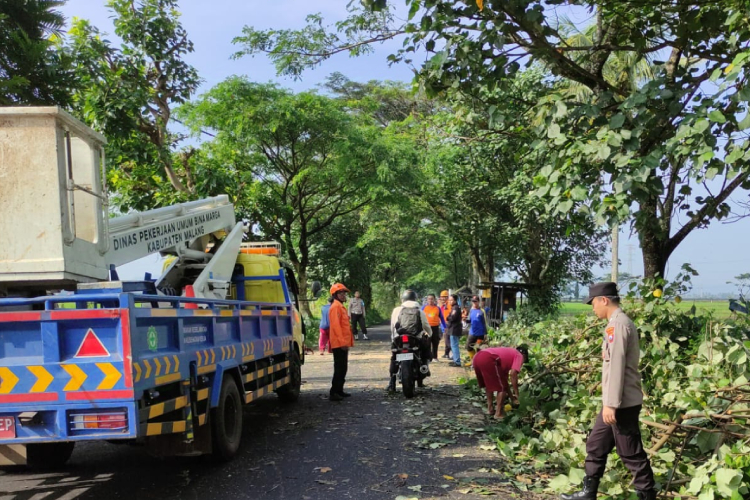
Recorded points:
409,321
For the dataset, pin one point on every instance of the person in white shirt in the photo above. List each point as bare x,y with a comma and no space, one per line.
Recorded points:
409,301
357,316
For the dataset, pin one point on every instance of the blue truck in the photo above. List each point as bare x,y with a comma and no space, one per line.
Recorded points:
105,364
166,362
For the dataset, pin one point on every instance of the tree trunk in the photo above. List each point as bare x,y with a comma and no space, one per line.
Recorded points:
304,299
483,267
304,262
300,268
654,260
654,238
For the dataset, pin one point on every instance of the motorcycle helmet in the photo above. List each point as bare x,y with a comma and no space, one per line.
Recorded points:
408,295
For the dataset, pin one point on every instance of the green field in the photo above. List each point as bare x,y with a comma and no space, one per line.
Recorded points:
719,308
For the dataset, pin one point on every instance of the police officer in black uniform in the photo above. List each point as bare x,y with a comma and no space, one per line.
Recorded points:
617,425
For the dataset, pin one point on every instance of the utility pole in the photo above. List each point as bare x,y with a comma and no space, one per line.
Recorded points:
615,251
630,259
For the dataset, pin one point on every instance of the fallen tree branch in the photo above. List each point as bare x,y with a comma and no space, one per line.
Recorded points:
662,441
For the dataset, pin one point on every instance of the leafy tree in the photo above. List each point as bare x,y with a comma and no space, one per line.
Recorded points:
33,68
308,162
631,152
129,94
545,250
743,284
385,102
480,165
337,256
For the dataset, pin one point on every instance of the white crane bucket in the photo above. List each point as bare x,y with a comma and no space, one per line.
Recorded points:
53,201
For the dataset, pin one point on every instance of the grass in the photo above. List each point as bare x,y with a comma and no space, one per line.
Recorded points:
719,308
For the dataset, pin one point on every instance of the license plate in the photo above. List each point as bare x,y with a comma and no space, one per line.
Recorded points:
404,357
7,427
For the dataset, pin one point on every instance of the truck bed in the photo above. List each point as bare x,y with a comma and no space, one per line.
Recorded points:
126,366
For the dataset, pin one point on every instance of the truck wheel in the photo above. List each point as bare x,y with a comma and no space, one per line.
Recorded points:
226,421
49,455
290,392
407,379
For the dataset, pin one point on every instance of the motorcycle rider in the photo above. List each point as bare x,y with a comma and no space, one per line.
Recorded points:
411,316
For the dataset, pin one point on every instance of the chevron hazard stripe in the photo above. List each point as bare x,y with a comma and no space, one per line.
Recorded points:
111,376
43,378
77,377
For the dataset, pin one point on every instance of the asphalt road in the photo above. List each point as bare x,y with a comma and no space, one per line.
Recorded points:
370,446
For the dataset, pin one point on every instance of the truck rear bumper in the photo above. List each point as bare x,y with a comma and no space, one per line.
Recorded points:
71,422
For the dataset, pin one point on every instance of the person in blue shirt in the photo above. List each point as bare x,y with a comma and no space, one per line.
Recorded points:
477,328
325,328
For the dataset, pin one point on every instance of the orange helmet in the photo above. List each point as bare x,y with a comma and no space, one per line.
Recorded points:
444,293
338,287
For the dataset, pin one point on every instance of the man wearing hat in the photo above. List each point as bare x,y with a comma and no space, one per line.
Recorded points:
341,338
617,425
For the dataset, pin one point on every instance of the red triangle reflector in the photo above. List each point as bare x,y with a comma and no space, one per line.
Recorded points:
91,346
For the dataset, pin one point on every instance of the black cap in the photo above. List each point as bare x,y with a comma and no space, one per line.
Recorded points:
606,289
524,350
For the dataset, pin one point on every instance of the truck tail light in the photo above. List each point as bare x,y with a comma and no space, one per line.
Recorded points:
111,421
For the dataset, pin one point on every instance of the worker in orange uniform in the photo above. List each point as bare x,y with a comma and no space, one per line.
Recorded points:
436,321
341,339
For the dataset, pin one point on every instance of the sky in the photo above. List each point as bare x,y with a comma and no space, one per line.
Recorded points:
718,253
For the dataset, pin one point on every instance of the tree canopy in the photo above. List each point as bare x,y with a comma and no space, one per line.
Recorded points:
33,68
129,92
307,161
651,146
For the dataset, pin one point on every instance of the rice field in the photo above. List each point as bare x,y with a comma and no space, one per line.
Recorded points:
718,307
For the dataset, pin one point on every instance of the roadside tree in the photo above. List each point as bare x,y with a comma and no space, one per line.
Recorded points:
33,68
665,153
306,160
129,92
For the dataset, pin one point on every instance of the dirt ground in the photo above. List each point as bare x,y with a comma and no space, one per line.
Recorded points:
373,445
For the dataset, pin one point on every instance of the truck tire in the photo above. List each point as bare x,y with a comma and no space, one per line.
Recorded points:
407,379
290,392
49,455
226,421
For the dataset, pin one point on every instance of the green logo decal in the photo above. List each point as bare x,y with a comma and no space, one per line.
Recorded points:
153,338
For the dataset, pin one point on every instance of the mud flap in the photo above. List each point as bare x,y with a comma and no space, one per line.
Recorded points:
13,454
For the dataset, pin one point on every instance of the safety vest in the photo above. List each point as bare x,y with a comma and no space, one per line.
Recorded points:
433,315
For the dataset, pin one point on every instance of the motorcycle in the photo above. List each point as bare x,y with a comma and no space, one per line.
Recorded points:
412,369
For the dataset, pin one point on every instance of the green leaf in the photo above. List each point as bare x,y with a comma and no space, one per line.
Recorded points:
728,480
575,476
697,483
553,131
745,122
560,483
617,121
701,125
707,441
603,152
717,116
565,206
414,9
707,495
579,193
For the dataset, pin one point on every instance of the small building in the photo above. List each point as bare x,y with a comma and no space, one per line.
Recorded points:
502,297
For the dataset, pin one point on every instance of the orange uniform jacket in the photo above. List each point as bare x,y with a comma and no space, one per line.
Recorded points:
341,332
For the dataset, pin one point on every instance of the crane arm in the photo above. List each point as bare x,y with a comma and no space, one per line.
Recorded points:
184,226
